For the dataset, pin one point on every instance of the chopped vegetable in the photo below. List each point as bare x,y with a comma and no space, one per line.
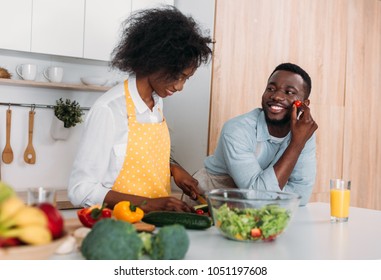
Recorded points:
199,211
250,223
255,233
89,216
125,211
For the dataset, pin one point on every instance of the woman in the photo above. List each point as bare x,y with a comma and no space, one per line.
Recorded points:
125,150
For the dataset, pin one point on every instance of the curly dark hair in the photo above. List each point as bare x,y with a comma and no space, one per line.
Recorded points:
290,67
161,40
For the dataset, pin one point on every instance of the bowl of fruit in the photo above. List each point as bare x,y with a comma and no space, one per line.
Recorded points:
28,232
251,215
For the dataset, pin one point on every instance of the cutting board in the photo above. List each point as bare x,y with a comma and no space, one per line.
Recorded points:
72,224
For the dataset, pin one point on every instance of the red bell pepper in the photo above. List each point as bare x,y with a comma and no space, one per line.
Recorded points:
89,216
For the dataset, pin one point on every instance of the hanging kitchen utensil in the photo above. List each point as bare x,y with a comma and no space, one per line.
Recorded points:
7,152
30,154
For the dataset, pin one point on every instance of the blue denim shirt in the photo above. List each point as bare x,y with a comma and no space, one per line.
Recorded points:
247,152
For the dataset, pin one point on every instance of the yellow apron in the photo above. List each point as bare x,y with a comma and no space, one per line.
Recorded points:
145,171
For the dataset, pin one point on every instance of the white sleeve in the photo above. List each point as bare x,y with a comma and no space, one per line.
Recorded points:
91,164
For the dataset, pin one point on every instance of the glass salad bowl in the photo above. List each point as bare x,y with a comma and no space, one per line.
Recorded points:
251,215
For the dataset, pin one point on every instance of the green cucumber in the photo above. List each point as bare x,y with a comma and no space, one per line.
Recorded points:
188,220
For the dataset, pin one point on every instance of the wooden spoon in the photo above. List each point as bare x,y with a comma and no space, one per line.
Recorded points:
8,153
30,154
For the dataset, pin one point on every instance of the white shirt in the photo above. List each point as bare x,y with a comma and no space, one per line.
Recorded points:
103,146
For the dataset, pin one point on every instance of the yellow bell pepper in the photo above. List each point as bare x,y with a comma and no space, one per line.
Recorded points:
125,211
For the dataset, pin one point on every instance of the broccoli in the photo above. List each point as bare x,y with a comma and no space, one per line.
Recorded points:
110,239
170,243
147,242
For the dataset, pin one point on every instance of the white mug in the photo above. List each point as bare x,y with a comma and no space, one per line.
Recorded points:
27,71
53,74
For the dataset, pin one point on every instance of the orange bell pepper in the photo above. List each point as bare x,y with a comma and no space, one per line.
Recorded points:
125,211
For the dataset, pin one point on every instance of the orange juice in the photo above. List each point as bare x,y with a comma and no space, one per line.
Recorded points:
340,203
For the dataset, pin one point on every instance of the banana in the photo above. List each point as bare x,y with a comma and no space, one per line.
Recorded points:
10,207
5,191
27,215
30,234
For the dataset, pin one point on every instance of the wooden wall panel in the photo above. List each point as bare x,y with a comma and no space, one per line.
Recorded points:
253,37
362,145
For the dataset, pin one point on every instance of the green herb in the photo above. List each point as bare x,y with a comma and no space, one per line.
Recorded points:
69,112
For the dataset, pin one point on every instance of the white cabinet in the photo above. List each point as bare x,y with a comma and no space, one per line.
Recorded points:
15,22
75,28
144,4
57,27
103,21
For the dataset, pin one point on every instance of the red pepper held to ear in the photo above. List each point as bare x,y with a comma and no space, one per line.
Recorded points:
89,216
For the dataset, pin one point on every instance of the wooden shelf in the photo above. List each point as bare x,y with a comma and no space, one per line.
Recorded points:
81,87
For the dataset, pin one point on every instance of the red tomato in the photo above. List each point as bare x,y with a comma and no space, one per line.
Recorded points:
256,232
298,103
200,212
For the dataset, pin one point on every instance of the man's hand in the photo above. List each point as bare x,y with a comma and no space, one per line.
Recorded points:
303,128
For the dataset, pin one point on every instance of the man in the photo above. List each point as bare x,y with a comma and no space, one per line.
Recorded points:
269,148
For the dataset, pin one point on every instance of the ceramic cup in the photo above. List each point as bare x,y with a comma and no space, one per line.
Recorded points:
27,71
53,74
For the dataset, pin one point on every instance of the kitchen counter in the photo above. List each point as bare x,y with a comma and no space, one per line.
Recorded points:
310,236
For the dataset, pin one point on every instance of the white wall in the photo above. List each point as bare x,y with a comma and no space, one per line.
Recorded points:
53,158
187,113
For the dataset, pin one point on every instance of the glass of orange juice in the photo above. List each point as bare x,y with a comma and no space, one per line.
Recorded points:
340,194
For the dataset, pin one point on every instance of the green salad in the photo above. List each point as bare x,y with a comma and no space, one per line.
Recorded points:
252,224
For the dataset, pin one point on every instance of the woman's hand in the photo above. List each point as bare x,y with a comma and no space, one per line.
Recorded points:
185,181
168,203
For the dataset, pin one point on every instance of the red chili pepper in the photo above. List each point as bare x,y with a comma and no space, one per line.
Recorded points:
298,103
89,216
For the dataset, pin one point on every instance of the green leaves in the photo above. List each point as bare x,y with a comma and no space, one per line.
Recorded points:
69,112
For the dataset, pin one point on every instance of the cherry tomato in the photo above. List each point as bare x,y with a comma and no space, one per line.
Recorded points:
200,212
255,232
298,103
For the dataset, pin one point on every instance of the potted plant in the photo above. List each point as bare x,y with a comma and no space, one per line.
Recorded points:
67,114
